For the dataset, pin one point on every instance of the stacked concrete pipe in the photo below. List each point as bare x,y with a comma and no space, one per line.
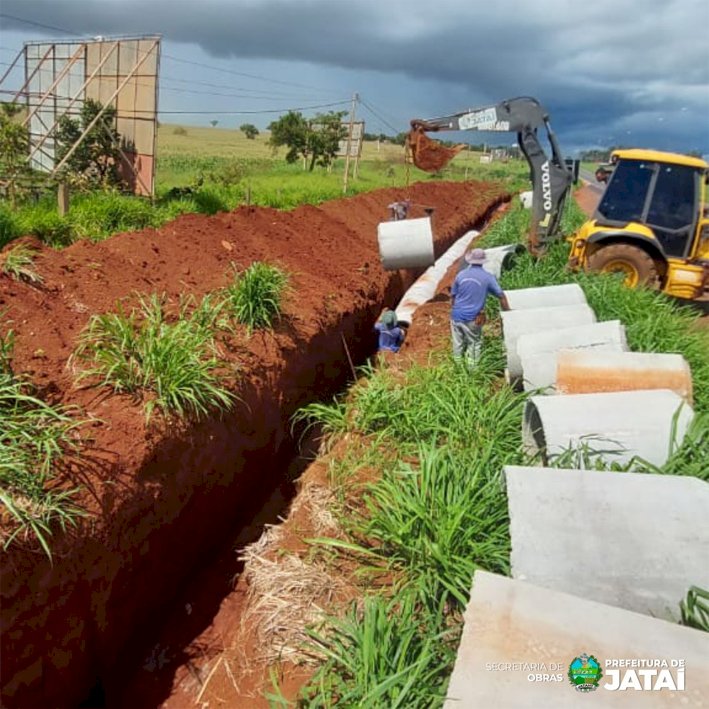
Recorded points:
546,297
538,351
591,370
516,323
620,427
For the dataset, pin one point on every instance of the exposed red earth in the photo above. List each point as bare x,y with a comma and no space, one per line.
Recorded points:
163,496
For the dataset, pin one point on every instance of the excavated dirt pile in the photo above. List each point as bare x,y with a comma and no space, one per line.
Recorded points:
428,154
161,496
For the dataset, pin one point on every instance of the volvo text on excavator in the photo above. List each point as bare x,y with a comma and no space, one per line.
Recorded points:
551,178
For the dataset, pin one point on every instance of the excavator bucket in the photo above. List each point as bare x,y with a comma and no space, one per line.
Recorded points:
427,154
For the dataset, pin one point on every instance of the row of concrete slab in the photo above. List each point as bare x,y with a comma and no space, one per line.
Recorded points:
600,560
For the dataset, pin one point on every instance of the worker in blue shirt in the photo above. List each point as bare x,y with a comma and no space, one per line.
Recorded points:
468,295
391,336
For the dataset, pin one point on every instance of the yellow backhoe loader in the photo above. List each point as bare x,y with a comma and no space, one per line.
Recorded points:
651,224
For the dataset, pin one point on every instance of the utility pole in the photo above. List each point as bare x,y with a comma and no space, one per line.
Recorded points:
355,98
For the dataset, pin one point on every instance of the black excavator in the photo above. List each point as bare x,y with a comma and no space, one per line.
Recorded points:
550,176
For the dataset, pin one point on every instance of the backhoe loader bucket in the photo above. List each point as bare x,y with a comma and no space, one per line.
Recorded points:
427,154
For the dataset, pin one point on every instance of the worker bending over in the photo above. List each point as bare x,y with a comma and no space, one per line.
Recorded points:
391,336
468,295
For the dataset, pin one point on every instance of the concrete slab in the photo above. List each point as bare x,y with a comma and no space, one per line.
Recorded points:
511,624
627,539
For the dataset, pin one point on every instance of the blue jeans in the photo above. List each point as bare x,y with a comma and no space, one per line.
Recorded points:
467,341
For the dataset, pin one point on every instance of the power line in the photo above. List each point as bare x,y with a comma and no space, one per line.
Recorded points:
186,61
378,117
36,24
250,76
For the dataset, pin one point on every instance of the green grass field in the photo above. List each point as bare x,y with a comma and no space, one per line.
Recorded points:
222,170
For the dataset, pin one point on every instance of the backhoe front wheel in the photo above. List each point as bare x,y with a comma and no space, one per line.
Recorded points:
635,264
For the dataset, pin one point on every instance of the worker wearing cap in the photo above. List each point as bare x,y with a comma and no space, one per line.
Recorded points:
468,295
391,336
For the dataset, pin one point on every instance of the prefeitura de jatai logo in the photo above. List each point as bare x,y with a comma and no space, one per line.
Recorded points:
585,673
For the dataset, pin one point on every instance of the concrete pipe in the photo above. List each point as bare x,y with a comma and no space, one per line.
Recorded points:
501,258
407,243
526,198
516,323
538,350
649,534
424,288
615,427
497,259
588,371
546,297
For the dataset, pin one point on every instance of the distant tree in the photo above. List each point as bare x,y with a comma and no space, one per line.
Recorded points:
316,139
213,123
14,149
179,130
249,130
95,160
399,139
695,153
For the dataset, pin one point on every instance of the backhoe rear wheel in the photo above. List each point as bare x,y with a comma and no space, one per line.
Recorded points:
634,263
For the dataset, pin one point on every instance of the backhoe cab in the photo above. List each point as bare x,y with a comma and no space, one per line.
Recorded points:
651,224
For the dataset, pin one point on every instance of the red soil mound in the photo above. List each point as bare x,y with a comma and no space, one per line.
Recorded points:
429,154
161,496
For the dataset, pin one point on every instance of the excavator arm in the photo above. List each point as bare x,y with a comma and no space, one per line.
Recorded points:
551,179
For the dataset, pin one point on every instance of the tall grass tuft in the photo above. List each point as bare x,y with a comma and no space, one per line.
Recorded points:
143,352
19,263
385,656
33,439
422,519
255,297
98,215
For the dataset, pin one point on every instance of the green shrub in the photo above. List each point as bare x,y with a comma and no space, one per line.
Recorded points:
179,130
43,221
209,201
255,298
9,225
99,215
176,363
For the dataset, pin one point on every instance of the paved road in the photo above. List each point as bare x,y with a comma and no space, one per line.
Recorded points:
590,179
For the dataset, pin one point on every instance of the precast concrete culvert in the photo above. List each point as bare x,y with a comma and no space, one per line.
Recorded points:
591,370
546,297
497,258
538,351
407,243
649,533
424,288
616,427
516,323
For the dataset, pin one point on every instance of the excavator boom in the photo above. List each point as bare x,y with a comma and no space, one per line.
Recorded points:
551,179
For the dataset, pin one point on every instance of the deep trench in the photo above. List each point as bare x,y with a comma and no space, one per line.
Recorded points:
210,582
144,671
146,666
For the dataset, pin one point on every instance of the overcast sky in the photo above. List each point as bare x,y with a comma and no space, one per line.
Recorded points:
632,72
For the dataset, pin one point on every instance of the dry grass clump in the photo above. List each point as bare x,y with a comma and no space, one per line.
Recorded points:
286,596
318,503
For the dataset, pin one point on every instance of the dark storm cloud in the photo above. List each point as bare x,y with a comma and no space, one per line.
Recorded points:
607,61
